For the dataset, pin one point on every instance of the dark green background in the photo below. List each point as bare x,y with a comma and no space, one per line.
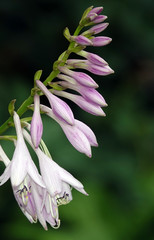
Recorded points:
120,176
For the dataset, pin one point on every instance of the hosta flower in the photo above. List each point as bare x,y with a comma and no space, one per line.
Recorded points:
57,180
96,29
79,135
54,176
90,94
87,65
21,164
59,107
46,206
93,58
82,40
94,15
87,106
79,77
100,41
22,193
36,123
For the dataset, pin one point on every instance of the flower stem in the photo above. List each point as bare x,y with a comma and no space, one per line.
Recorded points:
23,108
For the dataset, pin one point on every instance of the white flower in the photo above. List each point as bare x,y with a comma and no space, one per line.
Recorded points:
22,163
34,201
55,177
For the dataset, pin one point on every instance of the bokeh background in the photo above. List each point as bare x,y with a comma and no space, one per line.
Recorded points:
120,176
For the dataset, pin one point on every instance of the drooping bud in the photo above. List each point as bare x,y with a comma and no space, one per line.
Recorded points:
90,94
85,64
36,129
89,107
59,107
80,77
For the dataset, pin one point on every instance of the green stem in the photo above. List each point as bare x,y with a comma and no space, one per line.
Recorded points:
23,108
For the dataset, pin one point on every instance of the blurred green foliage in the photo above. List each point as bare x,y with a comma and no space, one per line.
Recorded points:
120,176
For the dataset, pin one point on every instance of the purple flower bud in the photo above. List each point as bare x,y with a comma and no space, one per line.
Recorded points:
85,64
66,78
36,123
90,94
77,138
98,70
100,41
99,19
96,10
59,107
82,40
79,135
94,58
80,77
89,107
97,28
88,132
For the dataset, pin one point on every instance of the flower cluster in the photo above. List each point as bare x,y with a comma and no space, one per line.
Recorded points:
39,194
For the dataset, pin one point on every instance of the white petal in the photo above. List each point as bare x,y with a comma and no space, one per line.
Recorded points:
49,173
87,131
68,178
34,174
6,175
3,156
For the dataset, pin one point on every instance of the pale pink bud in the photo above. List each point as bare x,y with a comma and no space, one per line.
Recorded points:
77,138
96,10
97,29
36,129
79,135
82,40
89,107
90,94
94,58
66,78
80,77
98,70
59,107
100,41
99,19
87,131
85,64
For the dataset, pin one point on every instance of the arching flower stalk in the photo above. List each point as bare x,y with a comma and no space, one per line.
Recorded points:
40,194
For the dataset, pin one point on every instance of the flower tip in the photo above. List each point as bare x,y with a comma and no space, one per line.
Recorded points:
84,192
89,155
95,144
45,228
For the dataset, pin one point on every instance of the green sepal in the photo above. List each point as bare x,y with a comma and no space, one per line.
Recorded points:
27,119
55,86
84,16
37,75
44,148
67,34
78,49
11,107
8,137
